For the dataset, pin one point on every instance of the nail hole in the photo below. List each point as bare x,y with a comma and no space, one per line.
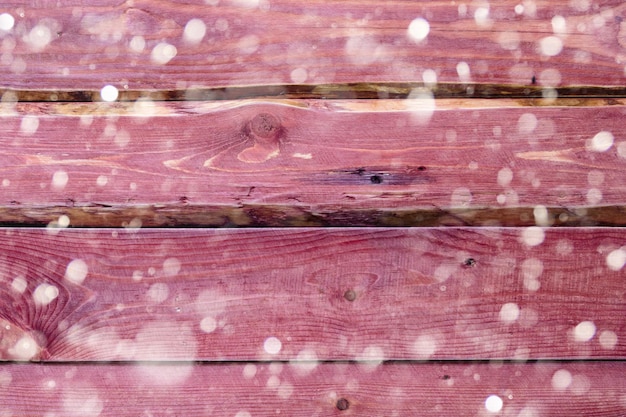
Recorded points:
421,168
376,179
533,80
446,377
350,295
342,404
469,262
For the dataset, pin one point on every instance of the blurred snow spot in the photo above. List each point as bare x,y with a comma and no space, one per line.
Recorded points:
505,176
171,267
6,22
463,71
550,77
594,196
429,77
481,16
248,44
158,292
39,37
532,269
616,259
541,215
243,414
425,346
5,379
580,5
102,180
418,29
580,385
137,44
109,93
372,355
247,4
83,402
272,345
76,271
362,49
550,46
163,53
44,294
273,382
621,148
533,236
561,380
564,247
595,177
519,9
63,221
421,103
249,371
559,26
6,182
305,362
493,404
298,75
445,271
19,284
608,339
509,40
509,313
584,331
285,390
461,197
29,124
194,31
527,123
601,142
208,324
122,138
221,24
302,155
59,180
24,349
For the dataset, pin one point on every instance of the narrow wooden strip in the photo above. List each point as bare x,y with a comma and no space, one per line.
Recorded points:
330,92
176,45
306,389
357,294
389,162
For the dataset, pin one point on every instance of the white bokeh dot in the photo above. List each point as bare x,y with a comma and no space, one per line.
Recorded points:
6,22
601,142
109,93
533,236
584,331
616,259
419,29
272,345
561,379
509,313
76,271
493,404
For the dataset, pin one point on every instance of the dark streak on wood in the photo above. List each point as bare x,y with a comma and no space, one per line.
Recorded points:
349,91
295,215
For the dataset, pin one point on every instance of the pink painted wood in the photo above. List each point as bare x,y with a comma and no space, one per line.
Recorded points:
177,44
311,389
315,160
356,294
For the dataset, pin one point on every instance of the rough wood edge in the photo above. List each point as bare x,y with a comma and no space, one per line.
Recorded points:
327,91
184,214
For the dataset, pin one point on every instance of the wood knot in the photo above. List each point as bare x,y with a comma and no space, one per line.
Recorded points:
342,404
265,125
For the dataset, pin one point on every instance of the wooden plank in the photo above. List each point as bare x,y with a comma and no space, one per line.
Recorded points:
146,45
350,294
290,163
310,389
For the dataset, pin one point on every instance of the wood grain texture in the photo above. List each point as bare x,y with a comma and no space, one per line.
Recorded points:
355,294
286,163
310,389
143,45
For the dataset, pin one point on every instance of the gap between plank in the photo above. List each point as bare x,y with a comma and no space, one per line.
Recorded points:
327,91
